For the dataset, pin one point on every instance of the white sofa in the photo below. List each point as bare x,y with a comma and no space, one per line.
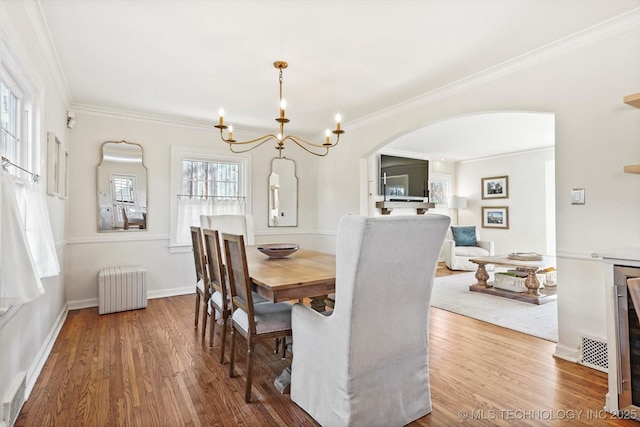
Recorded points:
457,257
367,363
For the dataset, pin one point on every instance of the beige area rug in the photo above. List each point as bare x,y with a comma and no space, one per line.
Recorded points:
452,293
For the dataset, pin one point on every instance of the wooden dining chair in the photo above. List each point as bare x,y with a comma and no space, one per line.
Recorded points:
202,278
219,300
253,322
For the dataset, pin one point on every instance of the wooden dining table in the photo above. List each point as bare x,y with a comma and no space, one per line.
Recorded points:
303,274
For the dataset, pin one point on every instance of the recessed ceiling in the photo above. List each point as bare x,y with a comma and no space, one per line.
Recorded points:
188,58
479,135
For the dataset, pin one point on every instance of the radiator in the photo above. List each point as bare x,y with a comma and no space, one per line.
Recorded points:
122,288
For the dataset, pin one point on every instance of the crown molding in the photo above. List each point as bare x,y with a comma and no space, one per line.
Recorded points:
601,31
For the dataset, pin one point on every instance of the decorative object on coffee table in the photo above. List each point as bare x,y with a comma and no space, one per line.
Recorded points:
525,256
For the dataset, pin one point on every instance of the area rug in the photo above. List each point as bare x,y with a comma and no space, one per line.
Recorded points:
452,293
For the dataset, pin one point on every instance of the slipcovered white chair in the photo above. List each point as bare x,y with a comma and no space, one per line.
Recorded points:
367,363
458,250
232,224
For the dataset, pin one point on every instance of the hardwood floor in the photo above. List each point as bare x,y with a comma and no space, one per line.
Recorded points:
150,368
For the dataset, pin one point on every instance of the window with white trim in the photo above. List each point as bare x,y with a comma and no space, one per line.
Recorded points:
205,183
10,108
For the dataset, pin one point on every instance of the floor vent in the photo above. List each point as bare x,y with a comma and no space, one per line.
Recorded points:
593,353
14,399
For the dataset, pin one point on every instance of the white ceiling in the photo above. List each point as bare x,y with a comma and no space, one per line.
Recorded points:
187,58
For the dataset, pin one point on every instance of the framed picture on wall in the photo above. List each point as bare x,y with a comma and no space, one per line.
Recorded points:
495,187
495,217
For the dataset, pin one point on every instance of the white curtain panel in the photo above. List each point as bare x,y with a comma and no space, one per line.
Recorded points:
189,211
19,279
37,223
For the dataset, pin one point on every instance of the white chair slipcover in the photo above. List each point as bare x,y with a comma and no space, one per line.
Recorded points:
232,224
367,363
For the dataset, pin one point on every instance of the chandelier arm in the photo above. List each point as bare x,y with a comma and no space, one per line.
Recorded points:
231,144
251,141
303,144
298,140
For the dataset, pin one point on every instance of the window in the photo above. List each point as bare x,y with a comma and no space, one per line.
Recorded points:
10,118
210,179
204,181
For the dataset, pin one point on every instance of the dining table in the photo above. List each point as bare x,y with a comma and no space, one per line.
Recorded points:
302,274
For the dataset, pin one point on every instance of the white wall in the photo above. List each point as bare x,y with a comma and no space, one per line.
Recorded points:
526,201
168,273
26,337
582,82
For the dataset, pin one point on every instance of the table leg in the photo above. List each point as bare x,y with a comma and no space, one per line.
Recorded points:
317,303
533,284
482,276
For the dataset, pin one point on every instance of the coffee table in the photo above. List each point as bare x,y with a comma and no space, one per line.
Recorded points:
532,295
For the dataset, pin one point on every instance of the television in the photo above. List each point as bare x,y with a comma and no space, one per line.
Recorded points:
403,178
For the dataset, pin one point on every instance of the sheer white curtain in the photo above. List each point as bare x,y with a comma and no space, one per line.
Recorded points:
189,211
37,224
19,279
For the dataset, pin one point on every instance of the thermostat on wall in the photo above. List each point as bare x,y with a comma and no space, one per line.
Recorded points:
577,196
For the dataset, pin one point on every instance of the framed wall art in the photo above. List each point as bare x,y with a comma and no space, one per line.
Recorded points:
495,187
495,217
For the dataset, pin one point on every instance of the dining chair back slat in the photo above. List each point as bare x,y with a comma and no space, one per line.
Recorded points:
238,275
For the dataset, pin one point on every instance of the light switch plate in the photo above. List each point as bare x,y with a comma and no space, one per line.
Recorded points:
577,196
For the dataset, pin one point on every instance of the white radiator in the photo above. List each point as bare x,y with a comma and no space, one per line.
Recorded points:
122,288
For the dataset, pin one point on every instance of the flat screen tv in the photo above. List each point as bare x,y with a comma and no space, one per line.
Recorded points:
403,178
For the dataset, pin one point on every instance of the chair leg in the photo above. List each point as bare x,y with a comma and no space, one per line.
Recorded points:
212,326
205,313
247,388
284,348
223,337
232,352
197,307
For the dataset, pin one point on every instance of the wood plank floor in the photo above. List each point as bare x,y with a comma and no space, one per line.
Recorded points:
150,368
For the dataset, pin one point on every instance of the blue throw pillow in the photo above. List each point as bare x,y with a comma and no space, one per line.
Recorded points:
465,236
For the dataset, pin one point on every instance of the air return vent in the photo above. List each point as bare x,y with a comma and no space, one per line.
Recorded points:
593,353
14,399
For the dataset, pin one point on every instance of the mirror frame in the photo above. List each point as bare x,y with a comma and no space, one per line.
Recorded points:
270,202
146,188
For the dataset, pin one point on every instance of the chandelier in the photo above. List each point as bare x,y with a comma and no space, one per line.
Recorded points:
280,138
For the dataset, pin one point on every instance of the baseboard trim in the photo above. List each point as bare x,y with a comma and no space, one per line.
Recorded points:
567,353
36,367
165,293
162,293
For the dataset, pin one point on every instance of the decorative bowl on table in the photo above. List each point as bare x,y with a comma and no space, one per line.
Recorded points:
525,256
278,250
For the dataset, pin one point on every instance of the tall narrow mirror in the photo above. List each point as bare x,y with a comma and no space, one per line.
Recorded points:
122,187
283,193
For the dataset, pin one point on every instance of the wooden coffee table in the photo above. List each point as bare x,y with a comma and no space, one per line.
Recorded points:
532,295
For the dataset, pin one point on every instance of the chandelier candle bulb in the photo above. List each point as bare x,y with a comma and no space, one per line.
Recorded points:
328,134
221,114
338,120
230,131
283,106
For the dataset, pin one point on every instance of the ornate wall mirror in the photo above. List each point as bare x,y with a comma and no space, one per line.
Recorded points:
122,187
283,193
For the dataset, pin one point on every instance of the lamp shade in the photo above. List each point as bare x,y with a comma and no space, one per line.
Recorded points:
457,202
